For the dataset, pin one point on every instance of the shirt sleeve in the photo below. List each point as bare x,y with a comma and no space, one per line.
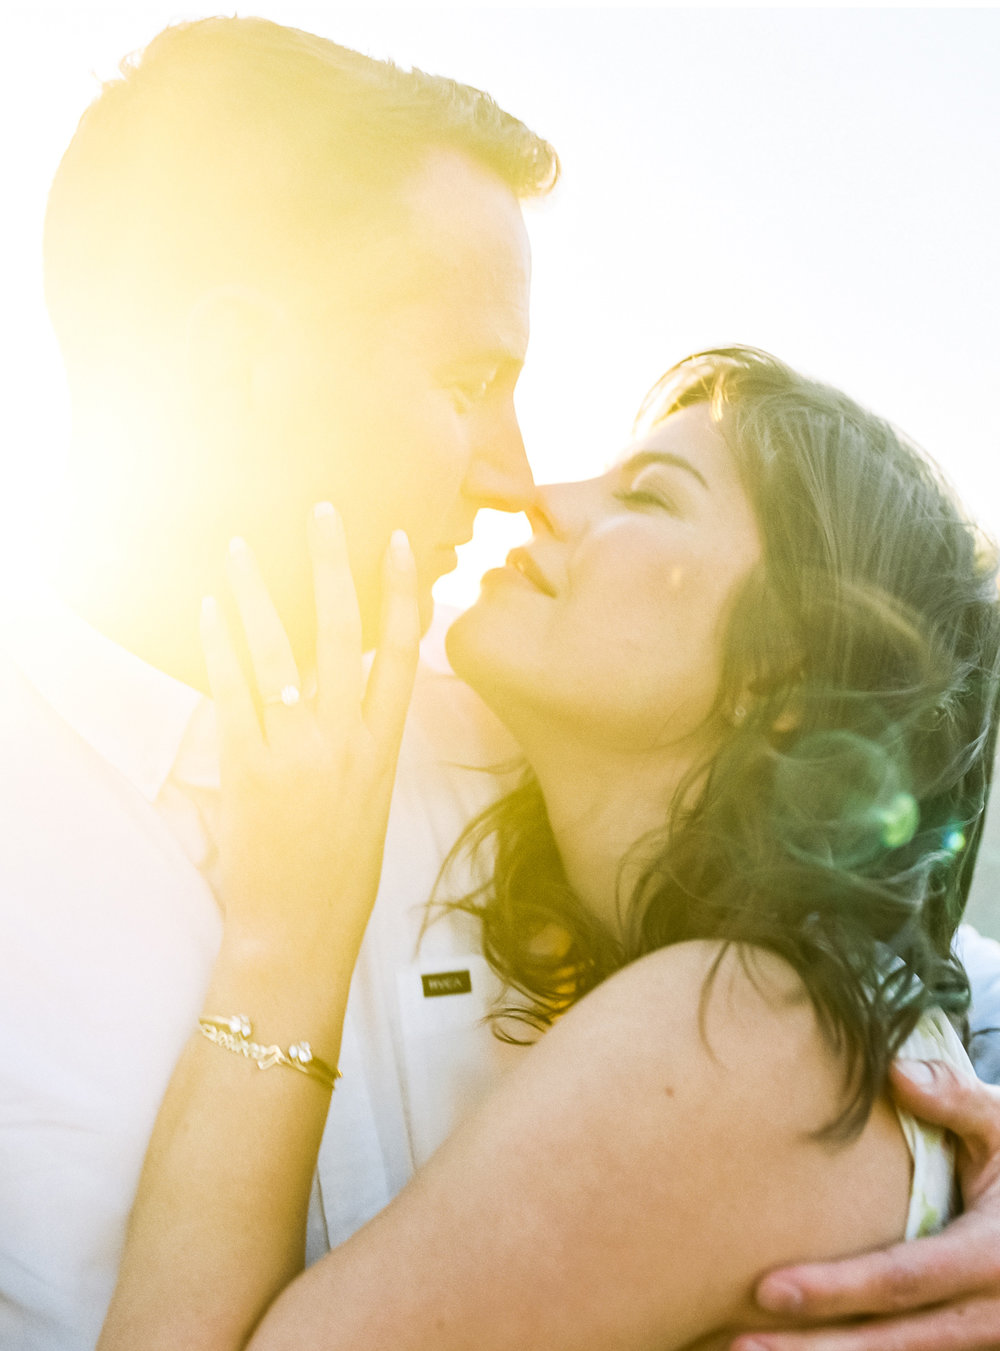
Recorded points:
981,959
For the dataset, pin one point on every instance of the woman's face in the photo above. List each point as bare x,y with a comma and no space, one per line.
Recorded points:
610,623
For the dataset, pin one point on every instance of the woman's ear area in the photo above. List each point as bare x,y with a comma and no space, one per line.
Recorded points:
790,715
764,662
789,719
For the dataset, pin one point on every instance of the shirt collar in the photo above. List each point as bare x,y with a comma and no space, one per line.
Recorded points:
140,720
130,713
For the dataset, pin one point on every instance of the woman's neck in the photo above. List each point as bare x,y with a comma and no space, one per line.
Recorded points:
601,801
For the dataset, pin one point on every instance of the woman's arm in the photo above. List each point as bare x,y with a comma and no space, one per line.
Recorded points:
219,1221
625,1186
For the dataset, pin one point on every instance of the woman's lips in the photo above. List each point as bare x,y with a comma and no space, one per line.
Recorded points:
522,562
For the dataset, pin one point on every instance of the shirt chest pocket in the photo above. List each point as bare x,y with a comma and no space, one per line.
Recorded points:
452,1060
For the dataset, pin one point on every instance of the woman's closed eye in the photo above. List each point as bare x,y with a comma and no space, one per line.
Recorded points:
648,490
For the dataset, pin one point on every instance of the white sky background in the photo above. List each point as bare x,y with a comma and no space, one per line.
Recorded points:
822,183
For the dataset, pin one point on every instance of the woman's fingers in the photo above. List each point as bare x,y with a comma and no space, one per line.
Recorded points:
234,709
391,680
338,635
274,668
338,623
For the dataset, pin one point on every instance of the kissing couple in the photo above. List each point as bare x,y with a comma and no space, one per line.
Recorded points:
613,1032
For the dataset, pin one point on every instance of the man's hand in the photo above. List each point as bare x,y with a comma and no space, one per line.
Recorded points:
932,1294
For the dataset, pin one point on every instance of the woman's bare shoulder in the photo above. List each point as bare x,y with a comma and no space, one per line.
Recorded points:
718,1009
630,1180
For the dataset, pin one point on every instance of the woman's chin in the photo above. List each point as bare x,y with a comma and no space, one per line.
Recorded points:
480,656
464,645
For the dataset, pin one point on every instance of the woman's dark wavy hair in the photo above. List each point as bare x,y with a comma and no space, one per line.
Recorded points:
838,823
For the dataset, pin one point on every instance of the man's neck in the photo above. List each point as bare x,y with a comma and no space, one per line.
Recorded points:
143,624
124,587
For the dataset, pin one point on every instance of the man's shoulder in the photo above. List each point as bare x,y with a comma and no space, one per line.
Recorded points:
981,958
27,723
85,687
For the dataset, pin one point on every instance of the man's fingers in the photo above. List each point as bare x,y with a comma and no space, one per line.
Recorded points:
338,623
948,1281
973,1325
234,711
962,1259
391,680
934,1092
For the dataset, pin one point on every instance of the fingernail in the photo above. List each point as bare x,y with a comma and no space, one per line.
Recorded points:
322,509
399,548
237,546
779,1296
917,1071
752,1345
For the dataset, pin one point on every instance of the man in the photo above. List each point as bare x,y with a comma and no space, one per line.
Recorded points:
280,273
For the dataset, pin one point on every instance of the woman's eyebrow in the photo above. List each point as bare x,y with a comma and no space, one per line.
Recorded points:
644,457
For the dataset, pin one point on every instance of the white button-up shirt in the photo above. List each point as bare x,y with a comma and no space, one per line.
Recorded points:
108,931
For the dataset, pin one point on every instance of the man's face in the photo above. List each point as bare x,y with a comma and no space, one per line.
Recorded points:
396,403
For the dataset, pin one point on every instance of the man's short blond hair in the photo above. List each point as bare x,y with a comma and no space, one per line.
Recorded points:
230,146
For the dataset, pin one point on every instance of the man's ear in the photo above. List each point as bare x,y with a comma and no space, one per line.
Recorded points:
232,334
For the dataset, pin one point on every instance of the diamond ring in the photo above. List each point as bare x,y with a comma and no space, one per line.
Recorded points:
289,695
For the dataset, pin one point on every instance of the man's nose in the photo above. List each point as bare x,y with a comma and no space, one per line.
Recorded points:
499,475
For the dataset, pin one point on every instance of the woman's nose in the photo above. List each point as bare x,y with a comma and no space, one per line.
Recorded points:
560,509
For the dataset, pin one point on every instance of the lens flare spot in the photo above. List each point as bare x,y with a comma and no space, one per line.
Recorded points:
900,820
954,841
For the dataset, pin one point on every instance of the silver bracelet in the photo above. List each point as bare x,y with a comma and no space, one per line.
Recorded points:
235,1033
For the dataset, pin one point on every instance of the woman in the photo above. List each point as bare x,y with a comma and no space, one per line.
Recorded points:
754,671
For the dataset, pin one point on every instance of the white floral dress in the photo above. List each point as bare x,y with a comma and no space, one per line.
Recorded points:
934,1197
